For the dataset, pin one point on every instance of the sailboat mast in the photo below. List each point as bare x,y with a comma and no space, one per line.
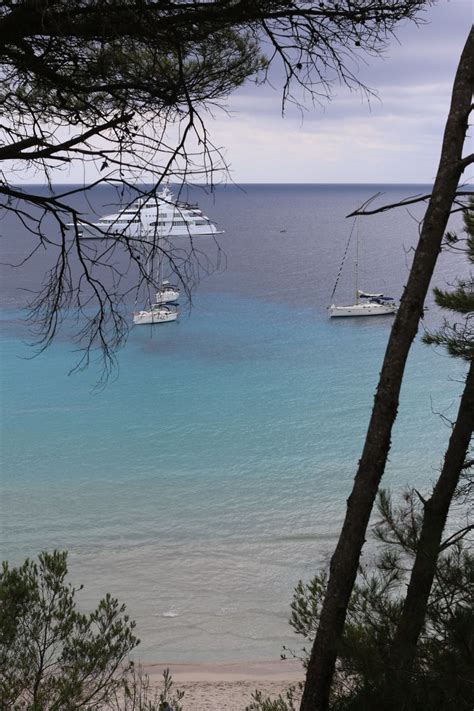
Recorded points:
357,267
159,275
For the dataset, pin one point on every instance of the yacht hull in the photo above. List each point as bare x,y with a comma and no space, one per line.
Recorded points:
369,309
97,231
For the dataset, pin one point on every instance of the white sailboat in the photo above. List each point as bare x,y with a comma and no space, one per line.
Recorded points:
378,305
160,311
365,303
157,313
167,293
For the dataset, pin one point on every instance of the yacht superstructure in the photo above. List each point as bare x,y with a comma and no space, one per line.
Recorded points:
160,216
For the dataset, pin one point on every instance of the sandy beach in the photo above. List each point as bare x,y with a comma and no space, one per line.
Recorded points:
227,686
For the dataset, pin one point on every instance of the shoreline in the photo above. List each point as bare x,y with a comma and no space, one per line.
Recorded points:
273,670
227,686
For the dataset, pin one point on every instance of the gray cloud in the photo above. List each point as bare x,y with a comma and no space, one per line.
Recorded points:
419,54
394,138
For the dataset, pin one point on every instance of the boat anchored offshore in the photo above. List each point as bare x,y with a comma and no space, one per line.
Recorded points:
158,313
167,293
163,216
365,304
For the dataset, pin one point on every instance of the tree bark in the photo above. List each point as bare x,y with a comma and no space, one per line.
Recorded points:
435,514
344,563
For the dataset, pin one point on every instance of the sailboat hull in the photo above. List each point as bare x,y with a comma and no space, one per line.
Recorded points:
154,316
365,309
167,296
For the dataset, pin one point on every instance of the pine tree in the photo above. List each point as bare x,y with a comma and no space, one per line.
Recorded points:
457,339
371,466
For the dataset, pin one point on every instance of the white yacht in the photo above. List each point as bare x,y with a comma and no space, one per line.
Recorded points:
160,216
366,305
158,313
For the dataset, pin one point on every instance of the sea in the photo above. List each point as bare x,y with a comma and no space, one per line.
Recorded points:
210,473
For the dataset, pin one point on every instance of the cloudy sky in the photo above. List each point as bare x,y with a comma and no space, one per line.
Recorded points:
394,139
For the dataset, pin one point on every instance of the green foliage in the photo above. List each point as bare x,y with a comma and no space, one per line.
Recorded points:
289,702
442,678
139,695
305,606
51,655
458,338
131,76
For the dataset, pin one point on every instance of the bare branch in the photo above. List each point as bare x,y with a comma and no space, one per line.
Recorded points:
402,203
456,537
467,161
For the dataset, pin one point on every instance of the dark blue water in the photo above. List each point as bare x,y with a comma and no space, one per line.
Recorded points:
211,473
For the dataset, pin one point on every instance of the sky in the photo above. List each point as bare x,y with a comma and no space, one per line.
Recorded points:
396,138
393,138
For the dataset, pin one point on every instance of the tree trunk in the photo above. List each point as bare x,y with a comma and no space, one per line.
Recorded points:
424,568
344,563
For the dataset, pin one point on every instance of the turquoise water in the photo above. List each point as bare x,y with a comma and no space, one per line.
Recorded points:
211,473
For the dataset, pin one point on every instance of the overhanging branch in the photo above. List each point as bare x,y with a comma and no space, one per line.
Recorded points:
402,203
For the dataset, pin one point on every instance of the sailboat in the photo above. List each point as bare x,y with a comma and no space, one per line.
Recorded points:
167,293
160,311
365,303
157,313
